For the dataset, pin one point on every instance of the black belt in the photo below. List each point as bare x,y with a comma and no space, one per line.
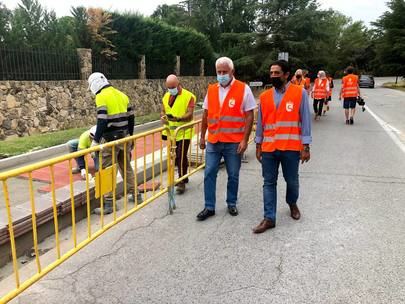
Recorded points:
115,135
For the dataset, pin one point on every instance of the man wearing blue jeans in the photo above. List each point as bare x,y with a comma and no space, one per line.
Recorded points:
283,135
228,117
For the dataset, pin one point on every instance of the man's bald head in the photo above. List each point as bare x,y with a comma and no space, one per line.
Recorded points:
172,81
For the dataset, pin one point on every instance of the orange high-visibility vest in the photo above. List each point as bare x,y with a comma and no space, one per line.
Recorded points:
308,82
282,125
226,123
320,91
300,82
350,86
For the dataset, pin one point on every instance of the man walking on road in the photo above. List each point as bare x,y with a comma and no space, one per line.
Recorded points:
305,74
177,110
320,93
228,116
283,135
349,92
115,120
329,99
300,80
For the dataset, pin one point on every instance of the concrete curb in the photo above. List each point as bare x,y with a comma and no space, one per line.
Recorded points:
20,160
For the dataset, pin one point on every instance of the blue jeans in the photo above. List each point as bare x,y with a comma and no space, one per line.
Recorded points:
73,147
213,156
271,161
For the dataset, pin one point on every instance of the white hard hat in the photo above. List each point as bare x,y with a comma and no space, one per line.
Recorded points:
93,131
96,82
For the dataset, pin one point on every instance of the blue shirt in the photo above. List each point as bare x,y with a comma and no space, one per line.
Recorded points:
305,115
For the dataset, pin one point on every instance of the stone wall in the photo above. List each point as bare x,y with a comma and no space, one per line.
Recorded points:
29,107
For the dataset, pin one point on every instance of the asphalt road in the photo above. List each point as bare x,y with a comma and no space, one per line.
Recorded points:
347,248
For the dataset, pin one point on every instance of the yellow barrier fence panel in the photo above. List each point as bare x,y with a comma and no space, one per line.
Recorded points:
105,181
73,230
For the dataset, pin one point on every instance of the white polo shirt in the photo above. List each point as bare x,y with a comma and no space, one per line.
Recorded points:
248,104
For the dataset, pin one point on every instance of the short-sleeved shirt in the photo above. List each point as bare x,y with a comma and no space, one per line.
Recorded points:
248,104
84,140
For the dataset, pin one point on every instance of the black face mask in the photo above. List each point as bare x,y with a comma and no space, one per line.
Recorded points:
298,76
276,82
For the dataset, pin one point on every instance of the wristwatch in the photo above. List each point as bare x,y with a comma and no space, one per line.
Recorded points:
306,148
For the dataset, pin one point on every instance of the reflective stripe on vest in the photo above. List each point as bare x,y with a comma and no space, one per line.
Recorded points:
287,136
227,130
226,123
226,118
269,127
281,125
282,137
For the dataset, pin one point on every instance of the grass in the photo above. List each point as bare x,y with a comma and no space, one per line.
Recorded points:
26,144
399,86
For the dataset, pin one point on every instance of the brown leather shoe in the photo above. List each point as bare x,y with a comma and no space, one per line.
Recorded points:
181,188
263,226
295,212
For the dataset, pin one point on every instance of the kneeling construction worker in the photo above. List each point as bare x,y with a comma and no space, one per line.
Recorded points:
81,143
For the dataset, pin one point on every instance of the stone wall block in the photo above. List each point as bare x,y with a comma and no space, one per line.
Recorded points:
42,106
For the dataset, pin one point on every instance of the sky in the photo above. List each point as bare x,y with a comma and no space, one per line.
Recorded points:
365,10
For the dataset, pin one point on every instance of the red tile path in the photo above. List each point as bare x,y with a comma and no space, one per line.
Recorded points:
61,170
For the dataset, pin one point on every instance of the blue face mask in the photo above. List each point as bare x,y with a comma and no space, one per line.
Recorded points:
173,91
223,79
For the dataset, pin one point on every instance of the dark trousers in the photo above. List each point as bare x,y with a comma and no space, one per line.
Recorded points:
318,106
271,161
181,157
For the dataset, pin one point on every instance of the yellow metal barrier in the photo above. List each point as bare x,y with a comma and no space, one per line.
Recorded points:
198,155
145,141
105,182
193,150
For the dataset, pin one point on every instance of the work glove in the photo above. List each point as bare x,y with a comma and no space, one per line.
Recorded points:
83,175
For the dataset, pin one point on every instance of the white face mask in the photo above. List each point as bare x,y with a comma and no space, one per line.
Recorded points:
173,91
223,79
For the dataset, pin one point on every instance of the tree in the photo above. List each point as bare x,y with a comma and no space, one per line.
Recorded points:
390,40
139,35
354,46
211,17
100,29
27,24
291,26
5,16
172,14
81,32
31,26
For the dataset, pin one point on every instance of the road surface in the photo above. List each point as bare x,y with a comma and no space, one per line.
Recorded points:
347,248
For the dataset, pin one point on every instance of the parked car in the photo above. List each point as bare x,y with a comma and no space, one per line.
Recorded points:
366,81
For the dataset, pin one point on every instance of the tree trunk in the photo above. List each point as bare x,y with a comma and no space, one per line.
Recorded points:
396,80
